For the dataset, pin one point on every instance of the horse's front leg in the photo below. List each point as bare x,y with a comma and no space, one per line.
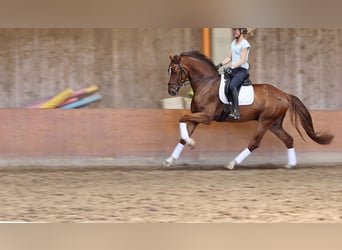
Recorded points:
185,132
187,125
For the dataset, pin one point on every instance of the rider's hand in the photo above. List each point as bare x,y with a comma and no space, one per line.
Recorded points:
218,66
229,71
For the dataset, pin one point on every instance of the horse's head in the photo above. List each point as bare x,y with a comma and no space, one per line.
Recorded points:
178,74
191,66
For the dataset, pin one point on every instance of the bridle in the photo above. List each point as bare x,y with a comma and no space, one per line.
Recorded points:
180,80
186,80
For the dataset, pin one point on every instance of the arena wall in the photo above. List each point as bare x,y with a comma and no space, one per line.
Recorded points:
138,133
130,64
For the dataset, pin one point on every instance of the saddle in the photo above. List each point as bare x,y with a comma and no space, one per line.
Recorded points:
227,109
227,76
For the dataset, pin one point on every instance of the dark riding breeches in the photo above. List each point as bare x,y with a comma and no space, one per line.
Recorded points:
239,74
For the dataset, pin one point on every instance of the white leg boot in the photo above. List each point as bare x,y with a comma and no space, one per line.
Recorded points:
185,135
174,156
238,159
292,159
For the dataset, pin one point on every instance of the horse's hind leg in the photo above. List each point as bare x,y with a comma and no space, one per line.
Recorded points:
188,130
279,131
262,127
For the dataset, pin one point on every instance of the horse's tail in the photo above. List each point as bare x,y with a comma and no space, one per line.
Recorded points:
298,111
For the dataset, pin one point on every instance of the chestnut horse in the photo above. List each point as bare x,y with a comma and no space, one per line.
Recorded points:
268,108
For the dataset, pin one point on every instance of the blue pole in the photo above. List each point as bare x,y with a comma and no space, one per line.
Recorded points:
82,102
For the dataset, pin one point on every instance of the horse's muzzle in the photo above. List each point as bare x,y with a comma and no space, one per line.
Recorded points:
172,90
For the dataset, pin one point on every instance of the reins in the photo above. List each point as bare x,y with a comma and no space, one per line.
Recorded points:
184,82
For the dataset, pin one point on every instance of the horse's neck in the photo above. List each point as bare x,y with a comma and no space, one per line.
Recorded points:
207,87
201,76
200,73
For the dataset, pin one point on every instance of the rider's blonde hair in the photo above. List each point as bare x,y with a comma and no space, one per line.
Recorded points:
250,32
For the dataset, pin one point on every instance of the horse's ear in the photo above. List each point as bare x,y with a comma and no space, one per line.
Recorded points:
176,58
171,56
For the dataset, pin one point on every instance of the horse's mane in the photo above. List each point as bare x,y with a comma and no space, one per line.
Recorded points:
198,55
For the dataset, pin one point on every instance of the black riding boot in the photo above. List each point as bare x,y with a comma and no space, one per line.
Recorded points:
226,89
235,114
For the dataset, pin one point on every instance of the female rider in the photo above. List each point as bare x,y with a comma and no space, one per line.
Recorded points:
238,55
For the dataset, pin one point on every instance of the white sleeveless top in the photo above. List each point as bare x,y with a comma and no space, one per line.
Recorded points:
236,52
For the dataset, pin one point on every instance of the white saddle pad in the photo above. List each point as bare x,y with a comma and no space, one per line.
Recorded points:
246,95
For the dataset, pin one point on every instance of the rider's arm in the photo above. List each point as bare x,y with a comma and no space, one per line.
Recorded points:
242,60
227,59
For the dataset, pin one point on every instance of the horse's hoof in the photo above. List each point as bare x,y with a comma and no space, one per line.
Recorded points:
288,166
191,143
168,162
230,165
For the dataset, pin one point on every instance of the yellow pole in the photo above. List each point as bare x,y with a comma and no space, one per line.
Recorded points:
206,42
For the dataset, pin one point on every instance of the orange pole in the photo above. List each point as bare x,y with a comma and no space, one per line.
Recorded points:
206,42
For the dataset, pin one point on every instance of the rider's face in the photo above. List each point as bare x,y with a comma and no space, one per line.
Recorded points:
236,33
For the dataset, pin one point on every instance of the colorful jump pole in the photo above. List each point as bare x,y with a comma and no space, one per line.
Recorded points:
57,99
84,91
82,102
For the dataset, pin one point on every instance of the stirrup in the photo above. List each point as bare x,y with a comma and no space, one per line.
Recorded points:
235,115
